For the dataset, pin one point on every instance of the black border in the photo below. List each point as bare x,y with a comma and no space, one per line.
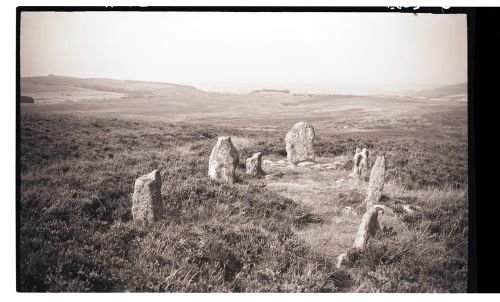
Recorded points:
472,280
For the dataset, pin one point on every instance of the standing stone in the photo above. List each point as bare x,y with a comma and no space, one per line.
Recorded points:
368,227
254,164
146,201
223,161
356,161
299,143
360,163
376,184
363,163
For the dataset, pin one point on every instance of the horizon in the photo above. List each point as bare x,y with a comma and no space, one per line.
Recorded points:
235,88
376,52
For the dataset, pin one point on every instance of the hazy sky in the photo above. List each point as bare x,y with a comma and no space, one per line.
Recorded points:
226,50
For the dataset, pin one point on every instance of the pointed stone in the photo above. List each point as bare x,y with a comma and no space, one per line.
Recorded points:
223,161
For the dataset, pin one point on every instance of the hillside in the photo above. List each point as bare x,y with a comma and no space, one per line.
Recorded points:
50,89
444,91
456,92
172,102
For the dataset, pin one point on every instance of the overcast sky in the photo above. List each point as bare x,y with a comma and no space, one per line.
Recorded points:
225,51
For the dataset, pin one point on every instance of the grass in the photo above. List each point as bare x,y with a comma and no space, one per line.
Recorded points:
77,233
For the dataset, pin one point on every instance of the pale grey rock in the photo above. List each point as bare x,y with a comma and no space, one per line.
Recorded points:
254,164
348,210
299,143
342,260
363,163
268,162
408,209
376,184
360,163
305,163
369,226
146,200
223,161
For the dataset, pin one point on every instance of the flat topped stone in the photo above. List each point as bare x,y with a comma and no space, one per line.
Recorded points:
299,143
223,161
146,201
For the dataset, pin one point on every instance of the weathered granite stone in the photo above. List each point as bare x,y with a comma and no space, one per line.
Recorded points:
223,161
254,164
146,201
369,226
299,143
376,184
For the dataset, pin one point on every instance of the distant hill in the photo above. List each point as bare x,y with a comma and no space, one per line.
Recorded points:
450,92
444,91
54,88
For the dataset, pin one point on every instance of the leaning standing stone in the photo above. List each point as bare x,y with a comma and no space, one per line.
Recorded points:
254,164
299,143
146,201
376,184
223,161
368,227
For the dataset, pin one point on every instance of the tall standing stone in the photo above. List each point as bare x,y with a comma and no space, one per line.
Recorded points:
146,201
223,161
368,227
299,143
254,164
376,184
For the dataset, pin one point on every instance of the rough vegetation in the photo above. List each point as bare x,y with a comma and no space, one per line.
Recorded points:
77,232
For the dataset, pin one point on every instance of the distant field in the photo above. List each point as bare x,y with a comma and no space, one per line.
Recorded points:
79,162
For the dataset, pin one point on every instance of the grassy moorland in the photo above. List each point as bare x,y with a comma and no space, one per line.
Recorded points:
259,235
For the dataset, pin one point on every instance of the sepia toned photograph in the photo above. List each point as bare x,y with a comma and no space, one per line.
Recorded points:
214,151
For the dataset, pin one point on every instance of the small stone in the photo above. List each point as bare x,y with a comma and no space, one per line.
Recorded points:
254,164
408,209
267,162
223,161
342,260
305,163
146,201
349,211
